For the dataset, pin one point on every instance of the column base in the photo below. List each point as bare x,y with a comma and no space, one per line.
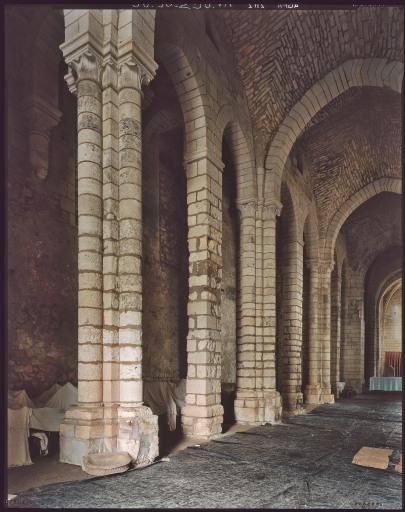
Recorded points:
312,394
273,408
248,409
112,428
292,403
202,421
327,396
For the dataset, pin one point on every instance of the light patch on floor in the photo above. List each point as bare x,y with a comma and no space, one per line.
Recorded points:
373,457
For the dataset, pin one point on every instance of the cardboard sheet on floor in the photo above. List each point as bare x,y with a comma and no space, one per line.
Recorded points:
373,457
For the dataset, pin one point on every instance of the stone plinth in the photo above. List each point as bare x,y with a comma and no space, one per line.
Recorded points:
97,429
273,408
312,394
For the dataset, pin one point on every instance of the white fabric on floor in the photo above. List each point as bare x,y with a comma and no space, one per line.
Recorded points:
18,453
43,439
51,415
45,412
165,397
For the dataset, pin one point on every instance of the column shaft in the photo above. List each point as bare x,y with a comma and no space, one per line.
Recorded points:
292,326
203,413
90,232
313,389
129,371
248,378
272,399
110,236
325,329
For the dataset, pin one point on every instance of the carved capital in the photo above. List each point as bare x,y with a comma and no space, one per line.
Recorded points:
133,74
247,210
109,75
40,119
85,66
272,209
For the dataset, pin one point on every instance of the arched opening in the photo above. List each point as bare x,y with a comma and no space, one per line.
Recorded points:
165,261
372,234
390,331
384,270
230,280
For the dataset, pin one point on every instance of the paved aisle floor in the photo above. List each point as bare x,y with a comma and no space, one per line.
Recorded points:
305,463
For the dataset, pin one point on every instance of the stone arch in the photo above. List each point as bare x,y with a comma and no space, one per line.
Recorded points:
188,84
289,212
226,122
360,197
387,290
311,233
378,72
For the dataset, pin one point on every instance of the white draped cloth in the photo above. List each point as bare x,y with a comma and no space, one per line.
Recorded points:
165,397
46,412
18,453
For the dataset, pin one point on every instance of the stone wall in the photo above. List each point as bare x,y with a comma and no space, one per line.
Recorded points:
41,238
165,262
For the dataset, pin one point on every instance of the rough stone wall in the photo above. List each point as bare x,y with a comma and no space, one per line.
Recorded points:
165,256
41,238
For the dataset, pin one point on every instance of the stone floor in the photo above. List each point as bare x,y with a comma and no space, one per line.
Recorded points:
305,462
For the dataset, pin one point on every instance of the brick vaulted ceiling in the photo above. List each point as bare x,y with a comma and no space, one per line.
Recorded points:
281,54
372,228
353,141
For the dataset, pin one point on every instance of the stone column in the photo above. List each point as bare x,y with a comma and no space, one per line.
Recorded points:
82,430
272,398
336,331
353,344
292,327
110,238
203,413
247,402
325,271
138,428
313,389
